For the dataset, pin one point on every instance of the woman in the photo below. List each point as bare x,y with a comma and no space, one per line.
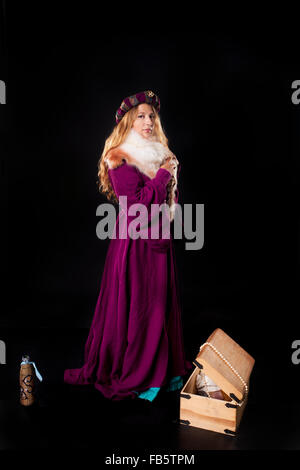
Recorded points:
135,344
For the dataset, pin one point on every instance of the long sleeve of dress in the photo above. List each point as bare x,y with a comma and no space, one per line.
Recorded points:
127,181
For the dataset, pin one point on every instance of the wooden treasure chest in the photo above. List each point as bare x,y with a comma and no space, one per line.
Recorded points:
222,370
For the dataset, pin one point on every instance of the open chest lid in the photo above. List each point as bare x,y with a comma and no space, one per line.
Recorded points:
226,363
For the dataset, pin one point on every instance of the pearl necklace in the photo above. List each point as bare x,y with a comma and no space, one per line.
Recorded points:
231,367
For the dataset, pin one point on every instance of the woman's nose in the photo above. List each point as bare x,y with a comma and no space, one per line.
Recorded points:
148,120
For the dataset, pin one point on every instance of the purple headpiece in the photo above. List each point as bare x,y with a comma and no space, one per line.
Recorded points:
134,100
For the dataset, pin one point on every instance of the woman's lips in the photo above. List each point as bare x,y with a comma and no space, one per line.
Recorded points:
148,130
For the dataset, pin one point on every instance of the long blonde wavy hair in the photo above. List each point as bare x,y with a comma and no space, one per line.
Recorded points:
115,139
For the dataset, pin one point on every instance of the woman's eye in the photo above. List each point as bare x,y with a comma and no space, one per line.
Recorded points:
142,116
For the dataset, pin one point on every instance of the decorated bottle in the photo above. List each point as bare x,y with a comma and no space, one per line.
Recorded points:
28,376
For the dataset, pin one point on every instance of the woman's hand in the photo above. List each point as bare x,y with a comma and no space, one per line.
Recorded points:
170,164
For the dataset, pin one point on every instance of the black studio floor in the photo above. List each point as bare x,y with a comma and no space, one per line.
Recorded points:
79,418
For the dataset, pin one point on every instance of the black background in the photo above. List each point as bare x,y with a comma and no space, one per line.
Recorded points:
228,115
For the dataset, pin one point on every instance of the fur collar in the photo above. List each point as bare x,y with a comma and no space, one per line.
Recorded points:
145,154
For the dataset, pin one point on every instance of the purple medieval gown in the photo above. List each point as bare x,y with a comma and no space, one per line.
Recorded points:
136,340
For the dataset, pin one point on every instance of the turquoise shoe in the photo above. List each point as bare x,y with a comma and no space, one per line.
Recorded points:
174,384
149,394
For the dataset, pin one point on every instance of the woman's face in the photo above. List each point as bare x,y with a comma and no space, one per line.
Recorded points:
144,122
